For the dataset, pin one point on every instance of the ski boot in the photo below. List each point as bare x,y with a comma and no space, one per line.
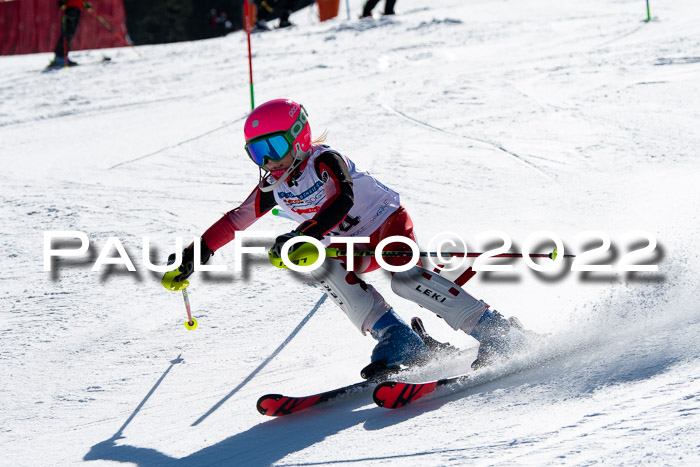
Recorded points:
60,62
433,344
499,338
398,347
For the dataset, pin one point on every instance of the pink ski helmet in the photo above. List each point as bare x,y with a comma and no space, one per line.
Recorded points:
272,131
283,118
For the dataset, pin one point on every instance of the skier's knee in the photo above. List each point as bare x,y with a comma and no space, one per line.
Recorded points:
360,301
439,295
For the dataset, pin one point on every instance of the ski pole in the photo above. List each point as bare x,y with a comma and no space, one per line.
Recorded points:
191,323
64,30
169,283
109,27
307,254
335,252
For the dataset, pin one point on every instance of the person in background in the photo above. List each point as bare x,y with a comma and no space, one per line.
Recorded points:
224,24
370,4
212,22
70,19
267,10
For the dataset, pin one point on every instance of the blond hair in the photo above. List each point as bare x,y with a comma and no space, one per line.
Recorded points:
320,139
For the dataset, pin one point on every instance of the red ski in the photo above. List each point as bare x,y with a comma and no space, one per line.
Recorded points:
276,405
395,394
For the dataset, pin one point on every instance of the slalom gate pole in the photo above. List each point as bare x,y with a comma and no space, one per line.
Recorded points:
278,213
109,27
347,5
248,27
648,12
334,252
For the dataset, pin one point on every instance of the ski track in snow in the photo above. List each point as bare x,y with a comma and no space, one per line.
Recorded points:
180,143
471,138
586,120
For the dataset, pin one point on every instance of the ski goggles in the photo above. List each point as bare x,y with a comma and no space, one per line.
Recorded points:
273,147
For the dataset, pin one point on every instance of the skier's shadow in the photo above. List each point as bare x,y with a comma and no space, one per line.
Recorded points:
262,444
273,440
270,442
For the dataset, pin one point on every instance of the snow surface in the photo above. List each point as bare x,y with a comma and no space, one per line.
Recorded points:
515,116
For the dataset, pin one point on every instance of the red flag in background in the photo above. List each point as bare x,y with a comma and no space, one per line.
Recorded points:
31,26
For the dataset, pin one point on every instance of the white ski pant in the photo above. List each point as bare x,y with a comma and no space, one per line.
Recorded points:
360,301
364,305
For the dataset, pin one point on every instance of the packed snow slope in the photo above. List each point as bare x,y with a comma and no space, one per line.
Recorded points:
485,115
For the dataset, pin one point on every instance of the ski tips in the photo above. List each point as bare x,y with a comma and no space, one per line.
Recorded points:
266,403
393,394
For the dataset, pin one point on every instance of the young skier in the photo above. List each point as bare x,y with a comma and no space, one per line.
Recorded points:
329,196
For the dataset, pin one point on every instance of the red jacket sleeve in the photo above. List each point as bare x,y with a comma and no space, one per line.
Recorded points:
224,230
